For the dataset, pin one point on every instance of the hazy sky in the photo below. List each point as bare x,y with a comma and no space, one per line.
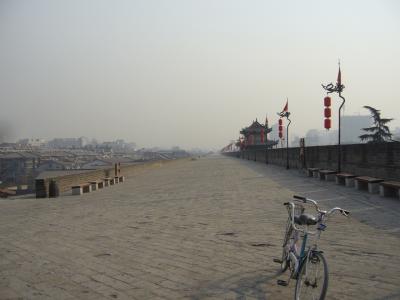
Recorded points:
189,73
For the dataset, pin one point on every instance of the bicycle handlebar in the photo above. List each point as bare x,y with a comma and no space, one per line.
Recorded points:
344,212
305,200
322,212
300,197
292,216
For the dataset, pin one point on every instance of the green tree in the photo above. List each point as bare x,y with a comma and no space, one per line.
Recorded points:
379,132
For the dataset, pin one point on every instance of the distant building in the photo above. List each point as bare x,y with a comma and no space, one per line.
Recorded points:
52,165
274,134
352,128
106,162
7,147
315,137
66,143
96,164
118,146
32,142
396,134
18,167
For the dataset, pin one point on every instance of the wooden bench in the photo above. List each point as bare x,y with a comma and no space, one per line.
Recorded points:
327,175
121,178
367,183
97,184
312,172
116,179
389,189
346,179
81,188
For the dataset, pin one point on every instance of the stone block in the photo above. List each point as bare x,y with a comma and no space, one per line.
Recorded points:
382,191
77,190
330,177
349,182
93,186
373,188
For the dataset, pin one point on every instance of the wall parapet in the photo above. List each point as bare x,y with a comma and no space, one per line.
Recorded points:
381,160
65,182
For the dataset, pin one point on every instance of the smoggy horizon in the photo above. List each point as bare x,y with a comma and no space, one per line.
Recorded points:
187,73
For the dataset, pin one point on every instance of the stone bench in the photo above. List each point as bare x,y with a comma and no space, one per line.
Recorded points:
327,175
389,189
4,193
106,181
313,172
346,179
97,184
368,183
81,188
109,181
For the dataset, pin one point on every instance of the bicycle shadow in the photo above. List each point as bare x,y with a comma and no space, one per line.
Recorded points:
254,285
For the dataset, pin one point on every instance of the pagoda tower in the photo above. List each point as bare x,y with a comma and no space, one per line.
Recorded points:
257,135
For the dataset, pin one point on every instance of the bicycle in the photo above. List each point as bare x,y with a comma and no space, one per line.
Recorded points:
305,263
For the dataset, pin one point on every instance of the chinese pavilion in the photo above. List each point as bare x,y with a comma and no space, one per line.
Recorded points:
256,135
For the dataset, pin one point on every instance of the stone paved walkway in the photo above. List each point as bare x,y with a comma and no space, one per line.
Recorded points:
196,229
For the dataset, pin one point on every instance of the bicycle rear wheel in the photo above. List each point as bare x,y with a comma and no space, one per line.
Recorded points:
312,280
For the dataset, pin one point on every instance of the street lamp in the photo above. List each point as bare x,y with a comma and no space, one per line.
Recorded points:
338,88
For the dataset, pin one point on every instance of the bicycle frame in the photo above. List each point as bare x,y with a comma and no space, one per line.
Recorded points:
299,258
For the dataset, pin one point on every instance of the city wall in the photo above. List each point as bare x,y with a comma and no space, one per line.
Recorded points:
381,160
65,182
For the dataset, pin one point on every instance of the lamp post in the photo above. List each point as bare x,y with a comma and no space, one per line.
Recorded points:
338,88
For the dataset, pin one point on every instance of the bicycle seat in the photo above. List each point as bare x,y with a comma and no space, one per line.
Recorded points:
305,219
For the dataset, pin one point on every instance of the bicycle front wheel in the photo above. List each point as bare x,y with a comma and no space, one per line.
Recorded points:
285,252
312,280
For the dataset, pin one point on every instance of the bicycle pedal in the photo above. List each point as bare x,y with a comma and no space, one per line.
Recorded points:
282,282
279,261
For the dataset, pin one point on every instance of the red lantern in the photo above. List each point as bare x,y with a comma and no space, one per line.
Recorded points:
327,112
280,122
327,123
280,134
327,101
280,128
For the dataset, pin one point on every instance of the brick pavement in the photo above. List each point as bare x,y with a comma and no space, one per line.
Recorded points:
196,229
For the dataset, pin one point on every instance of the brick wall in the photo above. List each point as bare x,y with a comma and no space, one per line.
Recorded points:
377,160
65,182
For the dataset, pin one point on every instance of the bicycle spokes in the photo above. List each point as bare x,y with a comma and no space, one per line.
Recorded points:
313,277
